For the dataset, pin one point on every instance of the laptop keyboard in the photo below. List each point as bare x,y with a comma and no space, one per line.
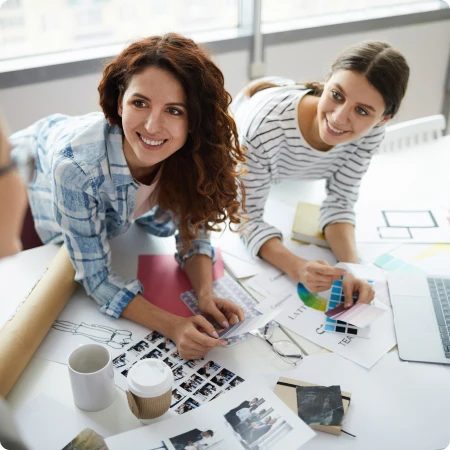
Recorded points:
440,294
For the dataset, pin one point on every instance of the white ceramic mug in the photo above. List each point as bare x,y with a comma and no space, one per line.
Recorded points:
92,377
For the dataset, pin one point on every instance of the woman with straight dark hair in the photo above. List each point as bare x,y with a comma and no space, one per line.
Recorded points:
164,152
316,131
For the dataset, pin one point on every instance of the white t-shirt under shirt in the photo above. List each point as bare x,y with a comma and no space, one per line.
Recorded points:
146,197
276,150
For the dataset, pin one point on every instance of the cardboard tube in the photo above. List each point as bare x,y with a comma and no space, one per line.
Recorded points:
21,336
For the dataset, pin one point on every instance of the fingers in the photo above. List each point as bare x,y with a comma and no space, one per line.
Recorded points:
234,312
319,275
192,344
224,312
366,293
348,288
216,314
323,268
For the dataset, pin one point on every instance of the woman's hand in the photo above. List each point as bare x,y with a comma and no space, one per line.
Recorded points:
316,276
352,285
191,342
223,311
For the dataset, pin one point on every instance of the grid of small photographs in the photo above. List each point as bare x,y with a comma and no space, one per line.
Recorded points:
196,381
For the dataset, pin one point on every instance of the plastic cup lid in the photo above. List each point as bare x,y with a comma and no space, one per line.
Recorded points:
149,378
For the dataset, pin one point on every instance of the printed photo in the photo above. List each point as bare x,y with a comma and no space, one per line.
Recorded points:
192,383
197,439
125,372
139,347
191,363
208,369
169,362
217,395
153,336
120,361
166,345
222,377
206,392
176,356
187,406
235,381
256,424
87,440
177,397
179,373
155,353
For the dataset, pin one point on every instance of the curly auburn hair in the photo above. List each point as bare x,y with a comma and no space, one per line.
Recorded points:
200,183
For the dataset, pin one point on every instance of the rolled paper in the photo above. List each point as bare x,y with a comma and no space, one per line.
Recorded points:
23,333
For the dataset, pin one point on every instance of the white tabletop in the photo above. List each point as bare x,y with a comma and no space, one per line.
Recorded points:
422,173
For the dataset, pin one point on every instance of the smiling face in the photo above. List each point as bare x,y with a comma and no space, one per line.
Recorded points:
348,108
154,120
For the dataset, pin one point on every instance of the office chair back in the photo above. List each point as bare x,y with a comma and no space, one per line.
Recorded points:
413,132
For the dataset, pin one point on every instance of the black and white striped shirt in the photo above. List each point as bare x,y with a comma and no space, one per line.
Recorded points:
276,150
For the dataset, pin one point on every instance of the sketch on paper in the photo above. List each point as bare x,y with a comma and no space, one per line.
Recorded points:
399,224
100,333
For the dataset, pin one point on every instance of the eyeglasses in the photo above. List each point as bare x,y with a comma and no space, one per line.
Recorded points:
25,164
284,348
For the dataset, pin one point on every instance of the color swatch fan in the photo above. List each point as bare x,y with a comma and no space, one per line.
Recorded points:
314,301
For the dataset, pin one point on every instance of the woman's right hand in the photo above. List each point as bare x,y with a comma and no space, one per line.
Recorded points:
315,275
191,342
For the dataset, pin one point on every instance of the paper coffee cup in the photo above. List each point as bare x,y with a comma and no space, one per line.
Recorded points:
149,388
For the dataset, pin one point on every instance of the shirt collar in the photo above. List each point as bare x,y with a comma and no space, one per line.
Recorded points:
120,172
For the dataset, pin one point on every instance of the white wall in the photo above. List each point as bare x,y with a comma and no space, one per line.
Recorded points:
426,47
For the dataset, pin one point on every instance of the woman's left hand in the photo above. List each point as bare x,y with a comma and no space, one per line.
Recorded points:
223,311
352,285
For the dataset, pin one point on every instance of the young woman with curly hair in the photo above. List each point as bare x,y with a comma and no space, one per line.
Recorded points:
164,153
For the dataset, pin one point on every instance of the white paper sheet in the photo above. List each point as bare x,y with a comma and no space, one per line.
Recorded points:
390,407
309,323
46,424
287,431
406,226
81,323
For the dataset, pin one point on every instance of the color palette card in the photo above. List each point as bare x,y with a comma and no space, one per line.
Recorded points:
248,325
360,315
337,298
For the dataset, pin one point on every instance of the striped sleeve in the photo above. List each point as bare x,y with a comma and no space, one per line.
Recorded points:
257,185
342,187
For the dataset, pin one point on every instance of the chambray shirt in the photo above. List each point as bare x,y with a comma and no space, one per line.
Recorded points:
84,195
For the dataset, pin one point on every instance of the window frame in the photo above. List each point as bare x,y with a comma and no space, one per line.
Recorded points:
55,66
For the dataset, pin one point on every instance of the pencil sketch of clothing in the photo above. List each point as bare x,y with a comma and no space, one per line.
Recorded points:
99,333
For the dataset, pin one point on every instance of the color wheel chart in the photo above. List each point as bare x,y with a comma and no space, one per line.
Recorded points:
338,326
314,301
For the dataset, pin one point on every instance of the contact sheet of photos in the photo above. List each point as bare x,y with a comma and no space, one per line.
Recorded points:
196,381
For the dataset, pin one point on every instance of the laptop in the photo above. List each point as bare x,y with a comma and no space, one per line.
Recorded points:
421,305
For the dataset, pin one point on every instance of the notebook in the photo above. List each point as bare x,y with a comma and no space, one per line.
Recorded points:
306,225
287,392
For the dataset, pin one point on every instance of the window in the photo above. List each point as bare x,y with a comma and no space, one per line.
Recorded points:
327,11
60,25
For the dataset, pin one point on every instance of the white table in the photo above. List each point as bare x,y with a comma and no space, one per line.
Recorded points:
381,182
